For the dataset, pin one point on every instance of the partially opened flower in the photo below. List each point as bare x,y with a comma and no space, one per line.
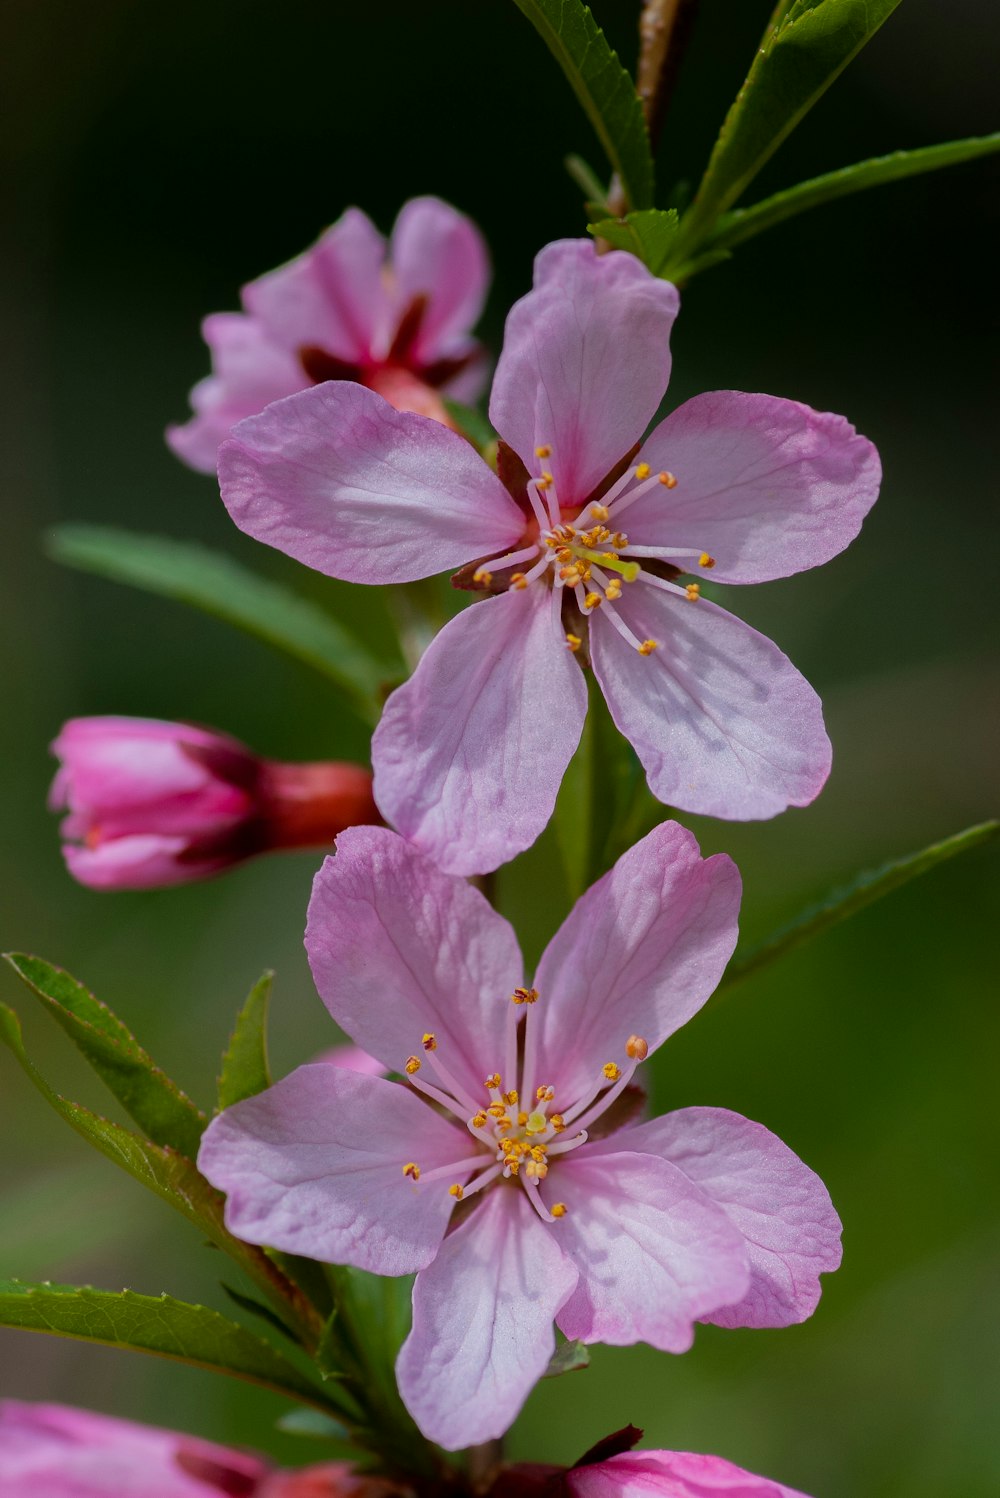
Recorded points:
494,1167
153,803
587,539
396,317
54,1451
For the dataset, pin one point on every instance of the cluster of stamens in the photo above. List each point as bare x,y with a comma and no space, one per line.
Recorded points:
589,555
519,1130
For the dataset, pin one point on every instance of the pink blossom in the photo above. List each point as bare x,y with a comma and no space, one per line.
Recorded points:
581,551
493,1167
53,1451
153,803
395,317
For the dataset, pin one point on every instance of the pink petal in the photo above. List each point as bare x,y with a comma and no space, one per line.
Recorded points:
585,362
471,751
249,371
338,479
352,1058
332,297
314,1166
780,1206
438,253
398,949
137,862
482,1322
766,486
638,954
723,723
655,1254
670,1474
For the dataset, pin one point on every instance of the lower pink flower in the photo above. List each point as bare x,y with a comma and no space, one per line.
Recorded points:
153,803
496,1167
53,1451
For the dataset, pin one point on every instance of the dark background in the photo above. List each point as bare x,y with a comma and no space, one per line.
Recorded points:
158,156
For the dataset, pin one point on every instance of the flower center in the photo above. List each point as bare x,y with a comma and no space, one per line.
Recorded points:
522,1130
588,561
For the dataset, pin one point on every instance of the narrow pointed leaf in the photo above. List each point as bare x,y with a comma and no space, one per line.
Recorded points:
221,587
603,88
158,1324
569,1357
650,235
245,1070
795,65
743,223
843,903
172,1177
156,1103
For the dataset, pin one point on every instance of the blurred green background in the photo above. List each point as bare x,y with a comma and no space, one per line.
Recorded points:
159,155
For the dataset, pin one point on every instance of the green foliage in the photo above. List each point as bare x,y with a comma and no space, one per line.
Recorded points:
158,1324
144,1091
797,61
843,903
604,89
743,223
193,574
649,234
245,1070
470,422
569,1357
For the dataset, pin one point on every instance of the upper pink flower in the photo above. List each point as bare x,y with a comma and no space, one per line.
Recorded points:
53,1451
588,537
153,803
394,317
493,1167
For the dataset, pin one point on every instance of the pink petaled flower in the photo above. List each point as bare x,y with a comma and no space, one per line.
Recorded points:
53,1451
494,1167
582,550
394,317
153,803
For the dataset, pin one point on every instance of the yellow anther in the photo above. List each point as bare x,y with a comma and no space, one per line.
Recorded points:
599,512
559,1209
693,591
412,1170
592,600
570,575
613,590
573,642
496,1110
564,554
538,1152
478,1120
611,1071
456,1191
510,1098
536,1170
543,452
705,560
647,647
636,1048
535,1123
558,1122
619,539
518,580
643,471
545,1094
668,481
544,481
522,1119
482,575
513,1166
430,1042
506,1123
411,1065
493,1080
524,995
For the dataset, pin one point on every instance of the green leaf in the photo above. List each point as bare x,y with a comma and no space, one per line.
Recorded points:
594,192
145,1092
245,1071
313,1424
603,88
221,587
743,223
569,1357
157,1324
650,235
173,1177
843,903
795,65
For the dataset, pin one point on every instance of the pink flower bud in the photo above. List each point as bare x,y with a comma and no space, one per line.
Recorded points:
152,803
